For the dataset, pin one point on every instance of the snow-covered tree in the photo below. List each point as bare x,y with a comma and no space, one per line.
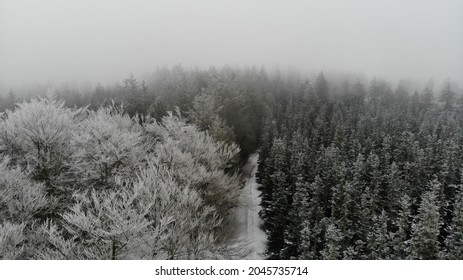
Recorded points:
21,199
425,229
400,240
197,159
11,240
305,250
454,241
379,238
333,239
106,144
37,135
204,110
194,229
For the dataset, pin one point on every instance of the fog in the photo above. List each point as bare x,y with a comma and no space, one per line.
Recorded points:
105,40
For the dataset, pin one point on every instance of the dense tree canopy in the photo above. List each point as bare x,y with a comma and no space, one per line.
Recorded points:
380,174
84,184
148,169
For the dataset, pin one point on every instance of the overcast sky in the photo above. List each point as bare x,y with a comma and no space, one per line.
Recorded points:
105,40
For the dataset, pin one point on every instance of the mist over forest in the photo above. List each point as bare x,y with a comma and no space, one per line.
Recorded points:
103,41
157,129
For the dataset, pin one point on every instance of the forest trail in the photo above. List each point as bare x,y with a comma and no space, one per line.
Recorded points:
247,213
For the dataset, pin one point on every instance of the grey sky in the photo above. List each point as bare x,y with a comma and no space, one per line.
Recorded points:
105,40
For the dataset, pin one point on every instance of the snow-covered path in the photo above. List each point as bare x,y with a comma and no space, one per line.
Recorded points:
247,213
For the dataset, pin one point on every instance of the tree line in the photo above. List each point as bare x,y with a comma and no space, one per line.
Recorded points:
149,169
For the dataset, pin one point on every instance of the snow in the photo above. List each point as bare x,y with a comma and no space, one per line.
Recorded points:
247,213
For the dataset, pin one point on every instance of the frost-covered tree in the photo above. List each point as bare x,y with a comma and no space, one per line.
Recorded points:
277,210
425,229
400,240
379,238
305,249
204,110
21,199
197,159
220,131
106,144
333,239
321,87
297,215
193,230
82,184
110,224
37,135
454,241
448,96
11,240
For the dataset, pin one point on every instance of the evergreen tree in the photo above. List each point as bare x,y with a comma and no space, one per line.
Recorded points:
306,252
379,238
400,241
454,241
278,209
333,239
448,96
321,87
296,217
425,229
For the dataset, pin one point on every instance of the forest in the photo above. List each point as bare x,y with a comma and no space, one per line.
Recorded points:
348,168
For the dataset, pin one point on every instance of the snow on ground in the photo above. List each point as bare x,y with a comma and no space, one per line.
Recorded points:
247,213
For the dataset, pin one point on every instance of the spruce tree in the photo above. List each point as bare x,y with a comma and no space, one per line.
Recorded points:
425,229
401,240
333,239
454,241
278,209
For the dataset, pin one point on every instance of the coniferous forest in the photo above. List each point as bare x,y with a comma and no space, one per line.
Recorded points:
150,169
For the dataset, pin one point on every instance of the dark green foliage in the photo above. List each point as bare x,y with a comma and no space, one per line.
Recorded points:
424,242
454,241
371,174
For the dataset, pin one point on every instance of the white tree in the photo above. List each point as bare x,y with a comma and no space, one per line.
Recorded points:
80,184
191,233
107,144
37,134
197,159
11,240
21,200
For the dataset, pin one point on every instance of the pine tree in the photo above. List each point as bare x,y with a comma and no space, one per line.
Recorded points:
316,216
401,240
204,110
278,210
425,229
305,249
427,97
448,96
394,191
379,238
333,239
296,217
454,241
321,87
